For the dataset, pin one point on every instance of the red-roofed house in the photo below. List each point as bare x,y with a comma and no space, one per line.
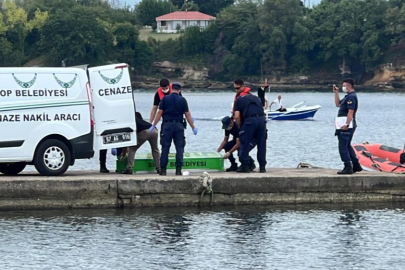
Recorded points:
180,20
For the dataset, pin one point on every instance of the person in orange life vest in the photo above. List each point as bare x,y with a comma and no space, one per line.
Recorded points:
241,89
164,90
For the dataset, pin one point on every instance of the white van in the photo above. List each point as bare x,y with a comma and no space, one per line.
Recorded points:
49,117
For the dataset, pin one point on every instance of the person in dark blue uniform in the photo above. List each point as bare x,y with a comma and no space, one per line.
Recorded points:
347,108
249,116
230,146
172,108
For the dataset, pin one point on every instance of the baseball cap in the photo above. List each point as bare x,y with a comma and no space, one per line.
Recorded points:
226,121
176,86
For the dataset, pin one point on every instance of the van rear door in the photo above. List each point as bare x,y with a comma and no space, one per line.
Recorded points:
114,106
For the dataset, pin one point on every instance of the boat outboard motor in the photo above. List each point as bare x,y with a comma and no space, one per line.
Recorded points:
402,157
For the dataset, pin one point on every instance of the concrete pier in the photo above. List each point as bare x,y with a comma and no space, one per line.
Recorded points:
89,189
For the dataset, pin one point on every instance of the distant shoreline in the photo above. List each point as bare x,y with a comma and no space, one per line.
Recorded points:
275,88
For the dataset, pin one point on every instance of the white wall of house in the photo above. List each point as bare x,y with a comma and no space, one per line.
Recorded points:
171,26
176,23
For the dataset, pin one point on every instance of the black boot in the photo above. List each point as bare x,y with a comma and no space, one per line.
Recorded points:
127,171
346,170
158,170
252,165
103,168
357,167
163,171
178,171
233,168
244,168
262,169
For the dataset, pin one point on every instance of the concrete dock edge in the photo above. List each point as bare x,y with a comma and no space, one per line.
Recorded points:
86,189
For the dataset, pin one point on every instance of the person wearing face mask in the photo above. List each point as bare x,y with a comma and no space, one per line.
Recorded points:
231,146
347,108
164,90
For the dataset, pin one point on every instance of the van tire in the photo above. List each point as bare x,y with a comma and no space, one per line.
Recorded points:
52,158
12,168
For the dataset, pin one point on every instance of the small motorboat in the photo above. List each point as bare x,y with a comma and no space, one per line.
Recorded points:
378,157
297,112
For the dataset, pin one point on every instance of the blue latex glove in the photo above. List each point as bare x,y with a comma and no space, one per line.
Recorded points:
114,151
151,128
195,130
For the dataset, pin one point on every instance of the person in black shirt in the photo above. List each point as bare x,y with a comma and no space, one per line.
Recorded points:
164,90
261,93
347,108
172,108
231,146
143,135
249,116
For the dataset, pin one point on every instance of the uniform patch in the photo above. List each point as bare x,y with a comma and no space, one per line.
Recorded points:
349,102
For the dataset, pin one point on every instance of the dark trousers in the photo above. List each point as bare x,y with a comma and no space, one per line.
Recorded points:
229,145
172,132
103,156
253,130
161,131
346,151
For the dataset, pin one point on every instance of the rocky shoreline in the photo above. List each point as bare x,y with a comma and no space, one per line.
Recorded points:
385,78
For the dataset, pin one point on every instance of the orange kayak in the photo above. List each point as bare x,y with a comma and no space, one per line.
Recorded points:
378,157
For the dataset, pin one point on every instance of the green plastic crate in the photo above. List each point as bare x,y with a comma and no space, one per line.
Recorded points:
194,160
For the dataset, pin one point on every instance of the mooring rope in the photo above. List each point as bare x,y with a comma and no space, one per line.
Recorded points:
307,166
206,181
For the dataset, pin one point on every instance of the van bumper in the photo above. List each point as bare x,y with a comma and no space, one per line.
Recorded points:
83,146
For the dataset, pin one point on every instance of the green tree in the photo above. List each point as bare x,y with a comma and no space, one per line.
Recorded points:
350,32
233,41
147,10
17,22
395,24
126,38
302,42
190,6
178,3
192,41
213,7
5,46
83,40
129,48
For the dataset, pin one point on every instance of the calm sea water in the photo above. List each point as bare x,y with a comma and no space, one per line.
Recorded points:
274,237
356,236
380,120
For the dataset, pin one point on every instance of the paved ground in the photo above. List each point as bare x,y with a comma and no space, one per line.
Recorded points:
272,173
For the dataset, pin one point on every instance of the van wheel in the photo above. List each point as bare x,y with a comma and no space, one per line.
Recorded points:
52,158
12,168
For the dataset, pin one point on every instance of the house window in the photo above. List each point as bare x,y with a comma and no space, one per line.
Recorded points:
163,23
